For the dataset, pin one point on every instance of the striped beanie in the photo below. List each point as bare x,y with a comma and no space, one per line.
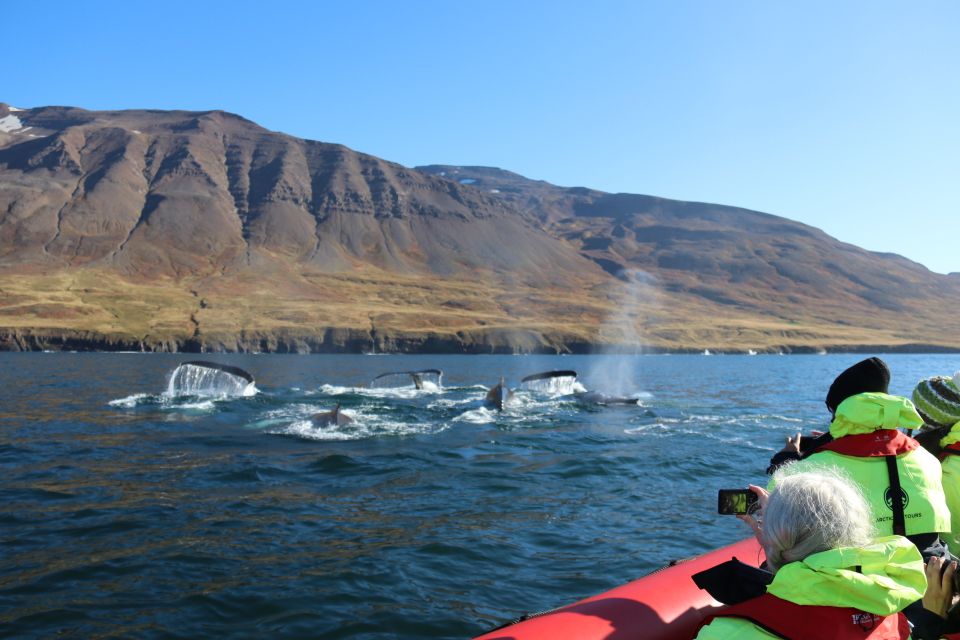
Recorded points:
938,400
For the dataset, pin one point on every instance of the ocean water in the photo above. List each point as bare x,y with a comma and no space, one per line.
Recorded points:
131,513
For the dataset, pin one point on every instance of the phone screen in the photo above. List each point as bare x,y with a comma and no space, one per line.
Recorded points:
735,501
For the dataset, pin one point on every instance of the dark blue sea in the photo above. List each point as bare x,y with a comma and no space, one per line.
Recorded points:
131,513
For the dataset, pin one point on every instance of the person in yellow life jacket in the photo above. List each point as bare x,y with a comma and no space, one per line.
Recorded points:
937,400
831,578
899,478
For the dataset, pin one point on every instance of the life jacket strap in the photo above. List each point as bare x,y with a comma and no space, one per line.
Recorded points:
896,496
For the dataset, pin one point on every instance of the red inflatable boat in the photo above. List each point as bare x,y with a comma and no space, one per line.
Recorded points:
663,605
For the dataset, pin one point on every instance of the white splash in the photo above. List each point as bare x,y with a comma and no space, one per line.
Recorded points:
308,430
130,401
202,405
405,393
482,415
295,421
450,403
163,401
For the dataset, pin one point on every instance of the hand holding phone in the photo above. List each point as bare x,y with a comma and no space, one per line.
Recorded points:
736,501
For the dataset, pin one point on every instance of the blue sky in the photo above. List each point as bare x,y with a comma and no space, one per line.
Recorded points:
843,115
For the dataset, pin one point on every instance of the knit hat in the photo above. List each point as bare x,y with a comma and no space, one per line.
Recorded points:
870,375
938,400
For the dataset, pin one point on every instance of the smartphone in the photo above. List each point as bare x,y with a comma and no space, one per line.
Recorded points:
735,501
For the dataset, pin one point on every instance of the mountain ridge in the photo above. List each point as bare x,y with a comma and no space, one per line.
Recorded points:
179,230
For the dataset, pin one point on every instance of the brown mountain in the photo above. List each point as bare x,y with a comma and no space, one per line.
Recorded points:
202,230
753,262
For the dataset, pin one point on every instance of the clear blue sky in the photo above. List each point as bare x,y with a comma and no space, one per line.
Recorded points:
844,115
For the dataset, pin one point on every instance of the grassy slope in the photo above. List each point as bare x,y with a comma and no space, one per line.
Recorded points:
218,310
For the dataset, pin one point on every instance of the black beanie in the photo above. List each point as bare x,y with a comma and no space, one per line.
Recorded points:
871,374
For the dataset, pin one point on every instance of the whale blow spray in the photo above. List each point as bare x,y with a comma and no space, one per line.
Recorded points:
634,297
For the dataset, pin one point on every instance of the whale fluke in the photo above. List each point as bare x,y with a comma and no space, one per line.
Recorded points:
417,377
203,378
561,382
226,368
563,373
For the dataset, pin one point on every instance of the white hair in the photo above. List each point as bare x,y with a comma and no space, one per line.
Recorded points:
812,511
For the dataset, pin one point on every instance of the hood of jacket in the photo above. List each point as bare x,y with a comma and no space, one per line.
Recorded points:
881,578
869,412
952,437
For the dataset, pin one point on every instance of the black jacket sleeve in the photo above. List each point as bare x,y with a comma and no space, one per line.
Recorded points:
781,458
808,446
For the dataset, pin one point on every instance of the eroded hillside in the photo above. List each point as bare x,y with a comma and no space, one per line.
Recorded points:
203,231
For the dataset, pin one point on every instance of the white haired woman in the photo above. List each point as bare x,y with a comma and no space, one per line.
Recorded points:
832,577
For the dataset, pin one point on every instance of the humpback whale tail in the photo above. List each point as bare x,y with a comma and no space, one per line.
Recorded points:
564,382
561,382
203,378
419,378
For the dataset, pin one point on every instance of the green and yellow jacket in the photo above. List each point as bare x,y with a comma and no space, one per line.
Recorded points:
864,432
880,579
950,465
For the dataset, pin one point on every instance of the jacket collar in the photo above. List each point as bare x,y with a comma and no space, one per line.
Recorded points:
880,578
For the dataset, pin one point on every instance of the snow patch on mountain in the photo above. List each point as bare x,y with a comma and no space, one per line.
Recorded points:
10,123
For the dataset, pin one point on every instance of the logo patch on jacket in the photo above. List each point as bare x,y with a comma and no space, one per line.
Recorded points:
865,621
888,498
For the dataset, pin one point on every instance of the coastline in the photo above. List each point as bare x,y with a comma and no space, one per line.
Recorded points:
357,341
